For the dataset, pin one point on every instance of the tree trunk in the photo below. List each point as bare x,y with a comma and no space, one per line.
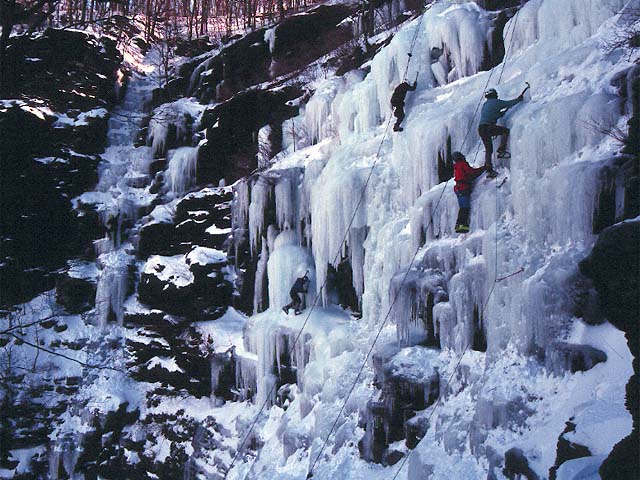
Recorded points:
7,18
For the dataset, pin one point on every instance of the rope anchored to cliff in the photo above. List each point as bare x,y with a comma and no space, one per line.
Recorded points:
384,322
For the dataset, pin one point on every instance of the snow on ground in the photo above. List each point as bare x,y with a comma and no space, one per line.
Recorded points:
169,269
205,256
228,328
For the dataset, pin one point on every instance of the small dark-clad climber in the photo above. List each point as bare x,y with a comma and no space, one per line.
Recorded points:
492,110
301,285
464,175
112,225
397,102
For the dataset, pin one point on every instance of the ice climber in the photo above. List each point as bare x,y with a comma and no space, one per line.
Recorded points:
301,285
112,225
492,110
464,175
397,102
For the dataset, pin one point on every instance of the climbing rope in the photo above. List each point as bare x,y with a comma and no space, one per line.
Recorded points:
310,474
322,287
495,281
338,254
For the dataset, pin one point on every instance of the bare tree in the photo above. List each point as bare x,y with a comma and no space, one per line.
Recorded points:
32,13
627,35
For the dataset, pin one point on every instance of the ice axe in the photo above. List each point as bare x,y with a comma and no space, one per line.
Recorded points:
528,86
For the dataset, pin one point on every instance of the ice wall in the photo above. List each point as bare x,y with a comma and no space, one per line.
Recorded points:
181,172
505,292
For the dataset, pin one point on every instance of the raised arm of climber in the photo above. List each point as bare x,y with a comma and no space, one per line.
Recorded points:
301,285
464,175
492,110
397,102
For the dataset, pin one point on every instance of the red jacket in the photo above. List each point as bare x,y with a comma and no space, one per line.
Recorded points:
464,175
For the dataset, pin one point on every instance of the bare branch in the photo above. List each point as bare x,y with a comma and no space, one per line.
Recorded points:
88,365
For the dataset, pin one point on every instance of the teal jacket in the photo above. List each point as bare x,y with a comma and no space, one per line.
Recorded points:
495,108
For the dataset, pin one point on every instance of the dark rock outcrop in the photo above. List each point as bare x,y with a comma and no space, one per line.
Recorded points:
76,295
47,158
404,392
561,357
232,127
517,466
614,267
567,450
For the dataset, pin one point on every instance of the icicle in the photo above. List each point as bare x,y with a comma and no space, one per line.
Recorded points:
539,20
357,237
112,287
264,147
410,303
246,376
260,279
333,204
181,172
318,120
288,262
260,196
286,192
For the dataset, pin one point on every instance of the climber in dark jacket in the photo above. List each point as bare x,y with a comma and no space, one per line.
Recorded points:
397,102
301,285
464,175
492,110
112,225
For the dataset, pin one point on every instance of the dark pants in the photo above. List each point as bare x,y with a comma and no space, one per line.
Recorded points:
487,132
296,301
398,111
464,202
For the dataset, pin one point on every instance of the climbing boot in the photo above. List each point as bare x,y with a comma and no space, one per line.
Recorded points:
462,228
491,173
298,312
502,153
397,128
285,310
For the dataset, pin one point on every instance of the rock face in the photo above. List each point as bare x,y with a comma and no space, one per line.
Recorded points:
565,357
567,450
261,56
231,148
76,295
516,465
49,157
407,387
186,270
175,254
614,266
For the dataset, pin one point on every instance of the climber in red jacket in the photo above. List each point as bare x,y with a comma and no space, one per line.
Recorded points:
464,175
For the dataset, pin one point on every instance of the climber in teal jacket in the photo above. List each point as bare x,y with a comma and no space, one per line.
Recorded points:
492,110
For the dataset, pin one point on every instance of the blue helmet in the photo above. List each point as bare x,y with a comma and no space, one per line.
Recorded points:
491,93
458,157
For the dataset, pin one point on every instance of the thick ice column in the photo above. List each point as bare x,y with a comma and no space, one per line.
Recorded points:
260,279
112,286
287,262
410,291
260,196
538,20
287,199
312,172
181,172
468,291
318,119
358,110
